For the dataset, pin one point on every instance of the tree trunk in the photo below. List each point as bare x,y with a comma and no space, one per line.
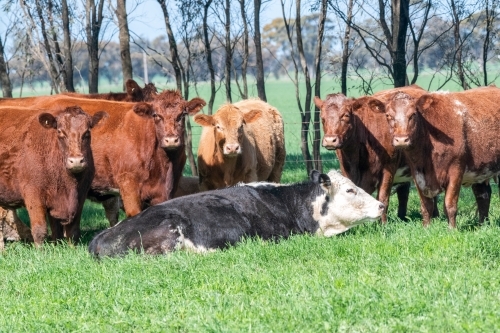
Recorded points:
458,46
345,49
305,70
244,65
93,27
124,36
400,16
172,45
52,69
208,54
68,58
57,49
4,73
318,165
227,68
261,89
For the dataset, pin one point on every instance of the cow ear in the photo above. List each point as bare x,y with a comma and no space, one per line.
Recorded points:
425,102
252,115
318,102
195,105
376,105
144,109
204,120
97,117
47,120
131,87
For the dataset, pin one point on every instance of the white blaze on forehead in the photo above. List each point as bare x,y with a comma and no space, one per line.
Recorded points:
343,206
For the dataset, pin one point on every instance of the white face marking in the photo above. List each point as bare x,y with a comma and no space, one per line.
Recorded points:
348,206
400,177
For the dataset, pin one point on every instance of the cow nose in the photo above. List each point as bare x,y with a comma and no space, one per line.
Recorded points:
171,142
76,164
401,141
381,207
232,149
331,141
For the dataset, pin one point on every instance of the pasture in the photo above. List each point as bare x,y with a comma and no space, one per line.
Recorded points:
399,277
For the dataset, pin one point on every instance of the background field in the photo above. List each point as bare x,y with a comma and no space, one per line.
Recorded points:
394,278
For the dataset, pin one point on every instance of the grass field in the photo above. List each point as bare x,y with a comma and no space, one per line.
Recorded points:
394,278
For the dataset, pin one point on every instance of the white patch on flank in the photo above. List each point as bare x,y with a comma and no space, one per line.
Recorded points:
183,243
470,178
348,206
460,109
399,176
259,184
426,191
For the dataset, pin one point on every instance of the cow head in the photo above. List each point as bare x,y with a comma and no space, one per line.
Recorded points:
403,118
169,113
228,126
73,132
138,94
356,206
336,116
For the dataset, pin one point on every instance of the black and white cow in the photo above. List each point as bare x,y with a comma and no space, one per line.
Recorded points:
326,205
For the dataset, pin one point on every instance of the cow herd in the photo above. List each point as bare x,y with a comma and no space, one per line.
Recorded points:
56,151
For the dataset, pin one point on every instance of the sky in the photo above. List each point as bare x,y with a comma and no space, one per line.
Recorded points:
147,19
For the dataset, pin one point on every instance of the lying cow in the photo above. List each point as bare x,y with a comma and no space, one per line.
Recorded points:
449,140
47,166
326,205
241,142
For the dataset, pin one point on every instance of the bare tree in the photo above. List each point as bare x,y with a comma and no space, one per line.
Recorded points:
124,36
174,54
245,56
261,88
491,14
229,50
94,21
4,73
208,54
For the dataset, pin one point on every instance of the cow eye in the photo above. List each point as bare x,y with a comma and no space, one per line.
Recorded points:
351,190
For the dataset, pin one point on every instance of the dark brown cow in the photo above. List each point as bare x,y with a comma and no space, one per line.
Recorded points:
358,132
46,165
139,151
133,93
449,140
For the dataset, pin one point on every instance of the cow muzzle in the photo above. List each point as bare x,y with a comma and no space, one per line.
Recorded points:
401,141
232,149
171,142
76,164
332,142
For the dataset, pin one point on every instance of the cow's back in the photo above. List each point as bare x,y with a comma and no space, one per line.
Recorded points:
268,133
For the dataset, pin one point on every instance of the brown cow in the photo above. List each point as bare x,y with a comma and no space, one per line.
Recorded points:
449,140
139,151
241,142
46,165
358,132
133,93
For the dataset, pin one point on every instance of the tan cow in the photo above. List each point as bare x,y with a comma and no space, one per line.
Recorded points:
241,142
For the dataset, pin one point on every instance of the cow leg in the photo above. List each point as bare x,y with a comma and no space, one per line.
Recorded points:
3,216
131,198
450,203
384,192
403,192
112,210
56,228
37,212
72,231
482,192
435,212
426,207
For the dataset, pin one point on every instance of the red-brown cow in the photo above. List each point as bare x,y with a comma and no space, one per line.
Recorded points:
358,132
241,142
139,151
46,165
449,140
133,93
